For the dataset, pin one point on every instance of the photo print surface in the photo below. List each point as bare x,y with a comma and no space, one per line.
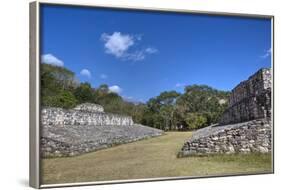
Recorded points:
134,94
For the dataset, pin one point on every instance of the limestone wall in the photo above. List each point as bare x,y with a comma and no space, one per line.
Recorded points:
83,115
244,127
86,128
251,99
74,140
251,136
89,107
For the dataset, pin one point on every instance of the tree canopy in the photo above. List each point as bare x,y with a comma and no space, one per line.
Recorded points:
198,106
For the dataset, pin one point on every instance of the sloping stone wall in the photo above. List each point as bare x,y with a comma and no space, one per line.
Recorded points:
61,117
86,128
74,140
251,99
244,127
251,136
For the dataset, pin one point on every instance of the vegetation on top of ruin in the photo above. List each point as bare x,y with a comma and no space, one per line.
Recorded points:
198,106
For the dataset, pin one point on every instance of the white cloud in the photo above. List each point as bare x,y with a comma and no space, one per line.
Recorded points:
115,89
117,44
135,56
178,85
140,54
124,46
51,59
86,73
103,76
151,50
267,53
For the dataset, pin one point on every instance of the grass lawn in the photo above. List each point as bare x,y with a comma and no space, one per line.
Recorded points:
151,158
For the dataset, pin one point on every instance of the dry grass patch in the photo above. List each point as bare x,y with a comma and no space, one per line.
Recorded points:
150,158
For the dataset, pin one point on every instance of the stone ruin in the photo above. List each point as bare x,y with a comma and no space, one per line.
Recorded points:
250,99
89,107
244,127
83,114
87,128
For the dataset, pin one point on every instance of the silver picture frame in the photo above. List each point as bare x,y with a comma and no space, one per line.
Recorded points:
34,81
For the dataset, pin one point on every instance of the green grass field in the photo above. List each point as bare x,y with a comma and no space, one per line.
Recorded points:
151,158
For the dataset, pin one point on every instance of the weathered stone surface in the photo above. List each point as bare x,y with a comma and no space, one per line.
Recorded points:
251,99
89,107
87,128
61,117
74,140
251,136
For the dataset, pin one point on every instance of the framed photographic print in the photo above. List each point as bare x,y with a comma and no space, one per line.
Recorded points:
131,94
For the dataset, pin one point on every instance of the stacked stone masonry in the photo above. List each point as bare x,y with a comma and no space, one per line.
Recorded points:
82,115
89,107
244,127
251,136
86,128
75,140
250,99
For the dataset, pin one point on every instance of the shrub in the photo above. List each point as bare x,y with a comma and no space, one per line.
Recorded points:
64,99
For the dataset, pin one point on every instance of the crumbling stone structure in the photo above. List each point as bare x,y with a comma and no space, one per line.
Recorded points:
244,127
245,137
251,99
84,114
89,107
87,128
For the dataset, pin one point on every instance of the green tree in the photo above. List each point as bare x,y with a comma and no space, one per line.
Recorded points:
63,77
84,93
198,106
56,85
204,100
195,121
162,107
103,88
63,99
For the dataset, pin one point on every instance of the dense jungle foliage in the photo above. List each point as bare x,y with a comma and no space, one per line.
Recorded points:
198,106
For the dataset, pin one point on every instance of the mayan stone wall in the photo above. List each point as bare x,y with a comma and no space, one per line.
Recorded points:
244,127
251,99
89,107
87,128
83,114
250,136
75,140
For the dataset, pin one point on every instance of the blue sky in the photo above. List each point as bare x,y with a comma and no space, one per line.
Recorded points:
140,54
